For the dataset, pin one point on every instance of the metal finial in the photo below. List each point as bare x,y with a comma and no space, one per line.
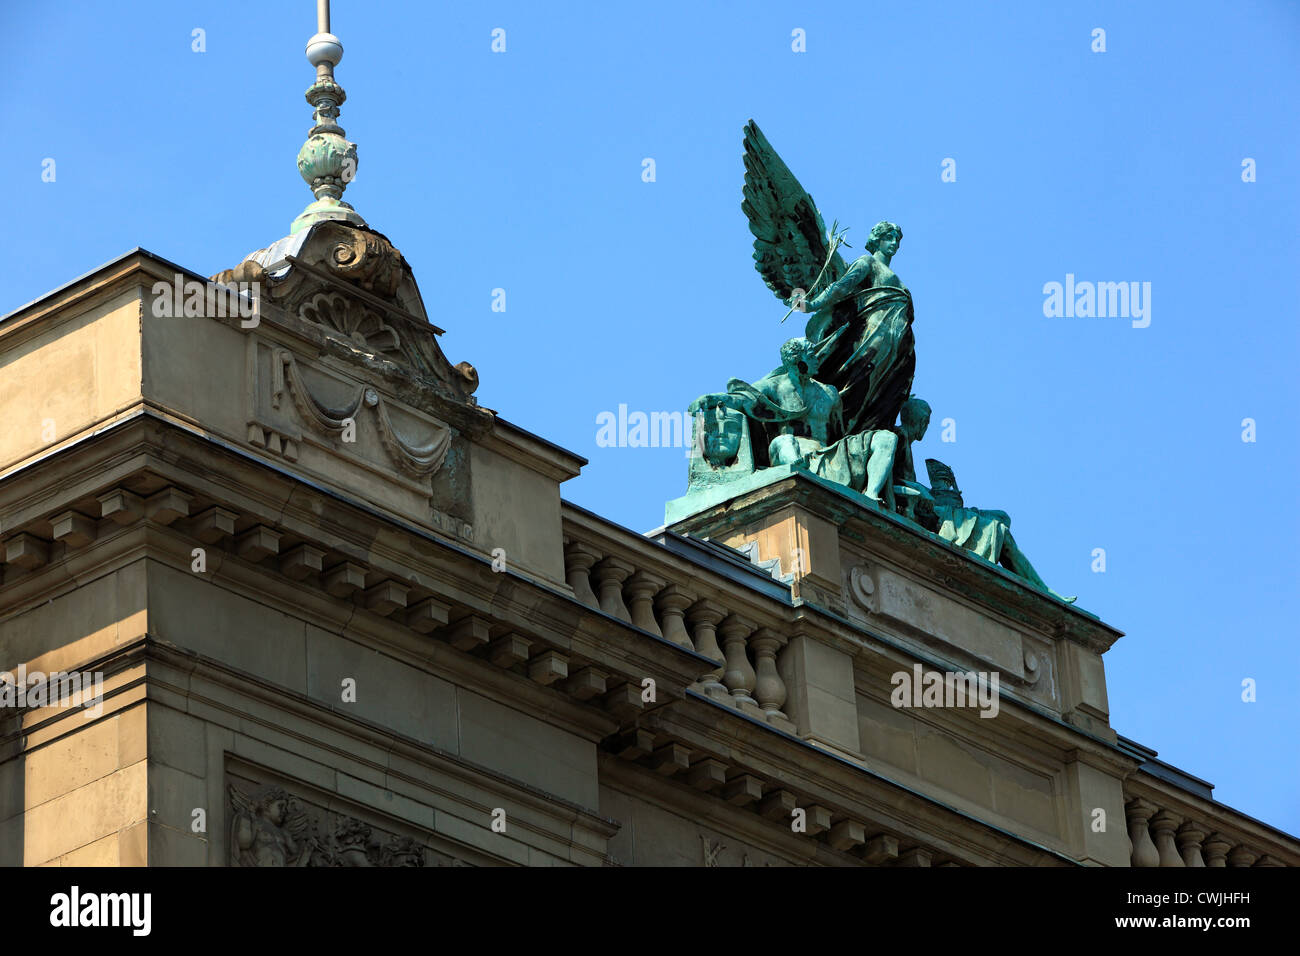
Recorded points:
326,161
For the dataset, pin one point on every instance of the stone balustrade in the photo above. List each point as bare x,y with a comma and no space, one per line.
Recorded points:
1164,830
674,601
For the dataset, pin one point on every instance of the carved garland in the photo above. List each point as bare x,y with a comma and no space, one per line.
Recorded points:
415,460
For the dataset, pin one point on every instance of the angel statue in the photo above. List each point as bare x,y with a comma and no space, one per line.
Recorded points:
861,314
269,828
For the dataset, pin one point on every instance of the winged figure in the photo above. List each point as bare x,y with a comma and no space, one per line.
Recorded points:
268,828
860,313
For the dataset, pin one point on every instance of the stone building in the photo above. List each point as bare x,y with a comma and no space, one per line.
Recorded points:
343,616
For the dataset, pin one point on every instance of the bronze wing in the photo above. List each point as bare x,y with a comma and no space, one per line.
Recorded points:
790,237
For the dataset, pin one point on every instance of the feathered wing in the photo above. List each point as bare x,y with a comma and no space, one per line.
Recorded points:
790,238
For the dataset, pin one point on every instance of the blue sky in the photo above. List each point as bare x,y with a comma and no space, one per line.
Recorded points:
523,171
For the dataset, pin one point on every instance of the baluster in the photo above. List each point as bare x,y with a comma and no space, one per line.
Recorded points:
610,575
1189,843
768,686
1242,855
739,673
1163,825
1216,850
672,603
641,590
1144,852
705,617
578,559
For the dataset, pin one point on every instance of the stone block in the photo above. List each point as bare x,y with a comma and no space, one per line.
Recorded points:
74,529
164,507
257,543
26,551
301,561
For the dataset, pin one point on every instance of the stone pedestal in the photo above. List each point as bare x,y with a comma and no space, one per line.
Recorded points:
886,609
845,556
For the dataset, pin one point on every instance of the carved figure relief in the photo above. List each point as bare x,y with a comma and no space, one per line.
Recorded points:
270,827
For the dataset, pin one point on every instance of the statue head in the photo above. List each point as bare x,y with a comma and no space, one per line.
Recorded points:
273,805
351,832
885,237
405,851
797,355
915,418
719,429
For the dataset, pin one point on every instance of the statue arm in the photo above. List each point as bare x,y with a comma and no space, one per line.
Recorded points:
857,278
757,402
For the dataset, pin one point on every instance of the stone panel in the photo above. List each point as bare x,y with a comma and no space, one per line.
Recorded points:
518,510
525,748
888,734
654,835
78,626
821,702
85,369
388,692
84,815
191,611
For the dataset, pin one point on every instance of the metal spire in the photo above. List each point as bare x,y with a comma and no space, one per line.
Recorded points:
326,161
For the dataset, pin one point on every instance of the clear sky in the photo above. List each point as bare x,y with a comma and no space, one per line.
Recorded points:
523,171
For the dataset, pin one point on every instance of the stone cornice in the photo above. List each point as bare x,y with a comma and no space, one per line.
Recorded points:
536,452
239,484
928,557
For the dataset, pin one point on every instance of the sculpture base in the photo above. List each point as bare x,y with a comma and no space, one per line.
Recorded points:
898,582
702,499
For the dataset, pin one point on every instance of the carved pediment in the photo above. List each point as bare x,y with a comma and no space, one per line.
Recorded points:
353,286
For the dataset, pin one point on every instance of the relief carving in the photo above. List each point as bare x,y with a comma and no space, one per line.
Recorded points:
862,588
713,851
414,454
271,827
360,325
353,286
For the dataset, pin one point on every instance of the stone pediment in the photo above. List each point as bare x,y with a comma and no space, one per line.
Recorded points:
351,286
346,379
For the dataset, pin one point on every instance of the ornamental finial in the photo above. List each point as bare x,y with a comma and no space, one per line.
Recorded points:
326,161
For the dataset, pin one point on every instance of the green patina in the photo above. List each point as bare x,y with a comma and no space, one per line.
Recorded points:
327,161
839,407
